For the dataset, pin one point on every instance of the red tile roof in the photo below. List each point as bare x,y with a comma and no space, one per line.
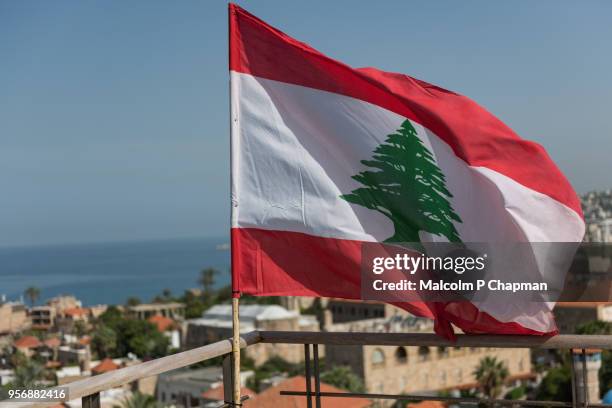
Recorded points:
76,311
162,323
105,366
53,342
427,404
85,340
271,398
53,364
216,394
27,342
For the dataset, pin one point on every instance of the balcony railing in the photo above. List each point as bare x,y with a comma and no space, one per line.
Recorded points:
89,389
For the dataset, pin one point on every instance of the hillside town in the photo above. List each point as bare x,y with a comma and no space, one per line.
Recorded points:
597,208
59,340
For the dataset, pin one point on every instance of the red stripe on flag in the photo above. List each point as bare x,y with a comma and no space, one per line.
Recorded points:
298,264
475,135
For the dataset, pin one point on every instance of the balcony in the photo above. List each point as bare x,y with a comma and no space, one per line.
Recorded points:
89,389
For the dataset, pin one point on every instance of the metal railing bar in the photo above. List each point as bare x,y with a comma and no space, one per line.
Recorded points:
562,341
574,380
228,404
116,378
91,401
315,349
228,377
585,390
307,369
405,397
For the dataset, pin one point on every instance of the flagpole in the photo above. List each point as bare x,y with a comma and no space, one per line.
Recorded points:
236,350
237,401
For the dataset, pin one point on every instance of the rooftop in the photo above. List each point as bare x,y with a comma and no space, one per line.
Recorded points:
162,323
216,393
146,307
393,324
221,316
27,342
76,311
105,366
271,398
53,342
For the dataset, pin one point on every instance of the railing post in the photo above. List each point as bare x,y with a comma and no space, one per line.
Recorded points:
307,369
315,349
228,378
585,382
91,401
573,379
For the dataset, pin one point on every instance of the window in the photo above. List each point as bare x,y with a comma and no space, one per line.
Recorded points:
459,375
378,357
401,356
442,352
425,380
423,353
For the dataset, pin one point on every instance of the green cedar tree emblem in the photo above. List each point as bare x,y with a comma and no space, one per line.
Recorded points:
408,188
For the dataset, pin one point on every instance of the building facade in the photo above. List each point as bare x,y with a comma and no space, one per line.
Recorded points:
395,370
13,318
216,324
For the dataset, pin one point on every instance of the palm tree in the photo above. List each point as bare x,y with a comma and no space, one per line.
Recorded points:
491,375
167,293
139,400
207,279
32,293
28,375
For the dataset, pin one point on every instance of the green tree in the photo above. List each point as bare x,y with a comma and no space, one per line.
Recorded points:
556,385
139,400
28,375
80,328
605,373
18,359
491,375
344,378
133,301
273,366
104,341
167,293
408,188
207,280
134,336
595,327
32,294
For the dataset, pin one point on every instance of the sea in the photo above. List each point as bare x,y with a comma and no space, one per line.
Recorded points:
110,273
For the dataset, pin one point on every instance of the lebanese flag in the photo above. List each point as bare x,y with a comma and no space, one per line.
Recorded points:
321,155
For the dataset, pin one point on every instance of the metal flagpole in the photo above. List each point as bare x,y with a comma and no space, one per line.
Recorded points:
237,401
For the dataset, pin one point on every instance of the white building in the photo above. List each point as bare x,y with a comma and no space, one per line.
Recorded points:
216,324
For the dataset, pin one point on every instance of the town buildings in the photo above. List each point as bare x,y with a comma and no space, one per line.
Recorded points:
271,397
395,370
571,315
190,387
216,324
143,311
597,208
13,317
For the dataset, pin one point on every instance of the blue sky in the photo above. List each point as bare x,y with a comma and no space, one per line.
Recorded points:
113,114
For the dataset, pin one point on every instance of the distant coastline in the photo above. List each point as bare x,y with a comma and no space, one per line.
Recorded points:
110,272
